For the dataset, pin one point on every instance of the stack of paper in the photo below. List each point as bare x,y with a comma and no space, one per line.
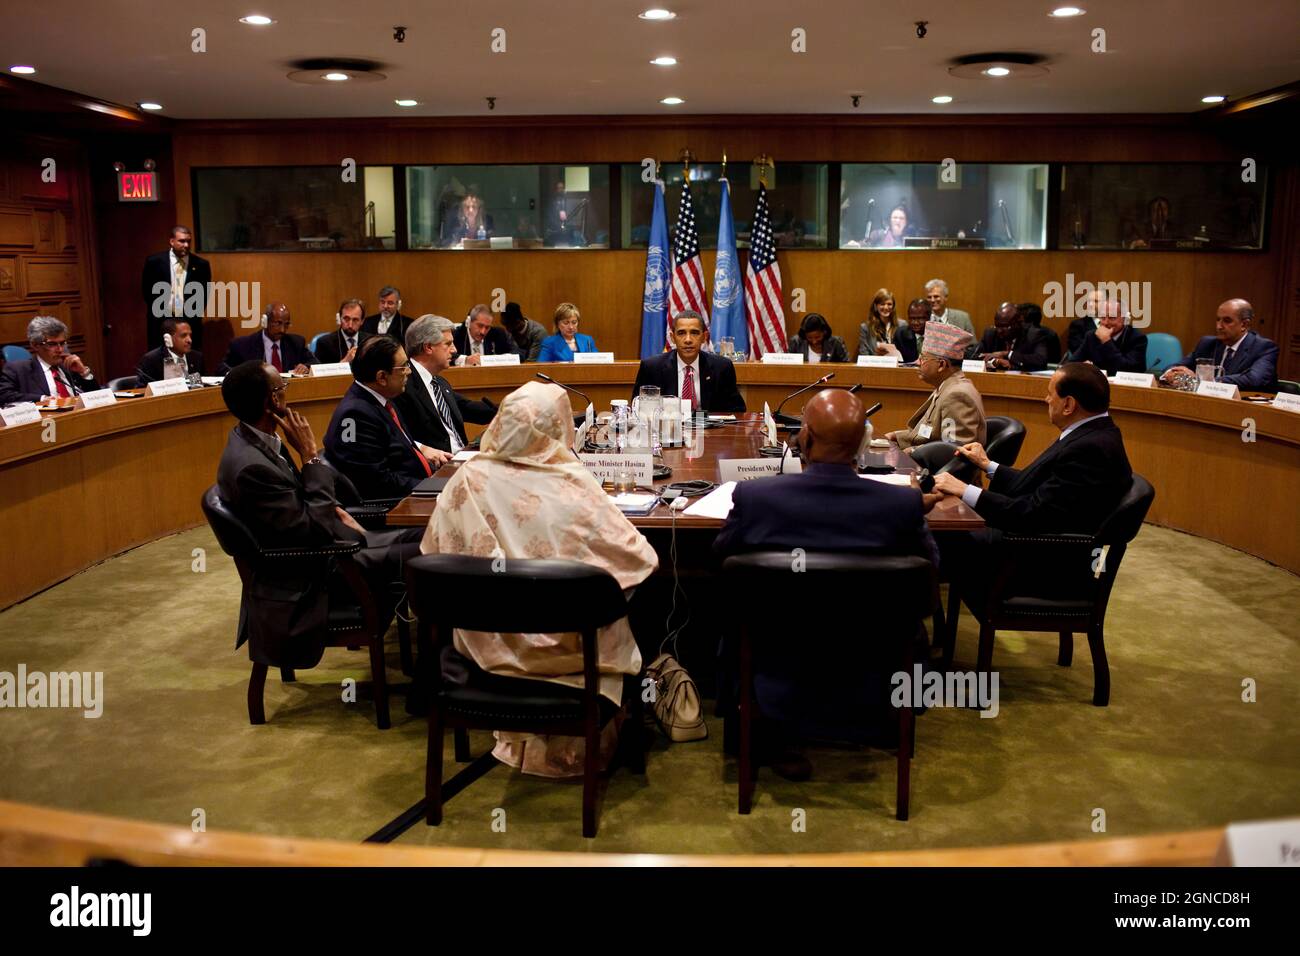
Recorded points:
716,504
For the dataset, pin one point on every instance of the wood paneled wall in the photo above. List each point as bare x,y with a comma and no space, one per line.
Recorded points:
47,256
1186,288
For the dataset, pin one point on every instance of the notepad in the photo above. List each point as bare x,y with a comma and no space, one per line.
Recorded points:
903,481
464,454
636,503
716,504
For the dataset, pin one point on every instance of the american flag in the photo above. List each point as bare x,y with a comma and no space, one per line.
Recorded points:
763,311
687,290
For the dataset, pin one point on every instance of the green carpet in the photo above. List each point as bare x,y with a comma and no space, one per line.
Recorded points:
1176,749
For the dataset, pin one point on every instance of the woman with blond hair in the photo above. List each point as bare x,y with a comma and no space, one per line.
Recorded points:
884,333
526,495
567,339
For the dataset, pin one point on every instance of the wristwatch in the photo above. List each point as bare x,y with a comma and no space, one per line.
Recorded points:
314,460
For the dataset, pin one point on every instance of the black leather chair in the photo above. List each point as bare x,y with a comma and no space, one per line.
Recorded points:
350,624
1084,571
1287,386
519,597
1004,438
934,455
892,624
123,383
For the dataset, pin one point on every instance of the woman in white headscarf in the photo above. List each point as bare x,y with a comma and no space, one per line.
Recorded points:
525,495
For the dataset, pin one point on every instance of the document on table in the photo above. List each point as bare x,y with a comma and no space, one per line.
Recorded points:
464,454
904,481
716,504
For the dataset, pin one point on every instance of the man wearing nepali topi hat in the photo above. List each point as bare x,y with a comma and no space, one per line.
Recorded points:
954,411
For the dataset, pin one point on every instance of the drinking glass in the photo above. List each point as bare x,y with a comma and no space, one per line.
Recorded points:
1205,369
728,347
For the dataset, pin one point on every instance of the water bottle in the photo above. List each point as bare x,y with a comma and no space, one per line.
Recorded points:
482,233
865,449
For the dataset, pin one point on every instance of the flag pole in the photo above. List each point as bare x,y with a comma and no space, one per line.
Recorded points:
687,157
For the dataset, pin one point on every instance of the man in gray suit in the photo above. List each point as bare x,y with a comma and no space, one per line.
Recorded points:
936,293
285,505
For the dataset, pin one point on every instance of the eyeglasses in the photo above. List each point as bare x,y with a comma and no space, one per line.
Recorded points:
278,324
61,344
283,386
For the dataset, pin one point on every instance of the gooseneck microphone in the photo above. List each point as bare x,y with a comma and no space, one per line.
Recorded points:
872,410
799,391
568,388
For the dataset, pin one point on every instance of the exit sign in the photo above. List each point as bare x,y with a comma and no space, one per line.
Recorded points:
137,187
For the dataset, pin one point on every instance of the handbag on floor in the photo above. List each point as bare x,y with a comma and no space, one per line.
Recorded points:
677,707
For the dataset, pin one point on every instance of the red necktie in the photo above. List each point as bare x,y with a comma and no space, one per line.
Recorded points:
688,386
58,383
424,462
275,356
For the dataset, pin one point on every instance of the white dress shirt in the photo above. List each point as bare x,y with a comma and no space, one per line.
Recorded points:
266,350
178,284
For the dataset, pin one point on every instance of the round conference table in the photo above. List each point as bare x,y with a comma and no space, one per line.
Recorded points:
84,485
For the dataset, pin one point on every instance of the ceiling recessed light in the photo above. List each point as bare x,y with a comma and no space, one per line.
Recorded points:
1068,12
672,101
25,70
997,71
664,61
656,13
150,106
335,77
256,20
1213,99
941,100
407,102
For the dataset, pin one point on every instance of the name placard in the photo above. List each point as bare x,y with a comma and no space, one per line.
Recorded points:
328,369
878,361
1271,843
1138,379
745,469
492,360
1218,390
168,386
973,365
769,424
593,358
24,413
98,398
606,467
1289,402
783,358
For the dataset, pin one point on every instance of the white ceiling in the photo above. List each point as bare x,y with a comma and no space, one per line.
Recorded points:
574,57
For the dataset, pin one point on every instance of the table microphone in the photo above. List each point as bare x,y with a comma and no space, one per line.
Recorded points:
568,388
789,419
872,410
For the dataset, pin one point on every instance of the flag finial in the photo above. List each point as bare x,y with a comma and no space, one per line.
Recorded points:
724,164
687,157
764,162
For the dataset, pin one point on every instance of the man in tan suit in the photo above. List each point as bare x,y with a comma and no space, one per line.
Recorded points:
954,411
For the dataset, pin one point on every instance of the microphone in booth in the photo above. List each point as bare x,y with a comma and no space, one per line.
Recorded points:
871,209
789,419
569,388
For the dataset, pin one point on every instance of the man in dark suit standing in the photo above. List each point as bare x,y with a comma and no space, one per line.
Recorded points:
1241,356
435,414
177,349
1113,346
367,438
273,344
708,380
285,505
51,372
341,346
826,508
1074,484
389,320
479,337
1010,344
175,283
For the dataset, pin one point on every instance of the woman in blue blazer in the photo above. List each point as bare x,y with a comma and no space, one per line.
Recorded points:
567,339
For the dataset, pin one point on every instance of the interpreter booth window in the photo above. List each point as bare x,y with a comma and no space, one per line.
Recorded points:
1162,206
943,206
508,207
796,202
295,208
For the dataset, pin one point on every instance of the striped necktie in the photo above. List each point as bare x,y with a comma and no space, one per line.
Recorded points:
444,413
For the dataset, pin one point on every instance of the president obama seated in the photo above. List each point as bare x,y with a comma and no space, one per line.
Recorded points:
688,372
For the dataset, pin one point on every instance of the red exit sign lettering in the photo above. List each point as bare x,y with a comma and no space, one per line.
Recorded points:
137,187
